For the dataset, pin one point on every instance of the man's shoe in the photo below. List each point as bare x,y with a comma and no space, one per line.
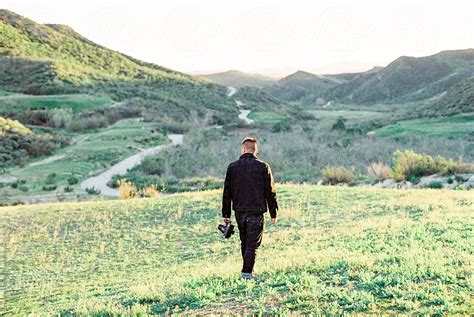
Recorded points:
247,276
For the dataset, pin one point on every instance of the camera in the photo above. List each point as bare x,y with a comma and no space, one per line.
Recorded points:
226,230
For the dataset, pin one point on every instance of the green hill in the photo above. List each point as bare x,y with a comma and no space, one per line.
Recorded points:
336,251
407,79
54,59
235,78
300,86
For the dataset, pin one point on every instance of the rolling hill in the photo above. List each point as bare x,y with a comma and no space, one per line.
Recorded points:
407,79
301,86
238,79
54,59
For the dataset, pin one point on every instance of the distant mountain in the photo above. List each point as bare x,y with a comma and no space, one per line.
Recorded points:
301,86
50,59
407,79
235,78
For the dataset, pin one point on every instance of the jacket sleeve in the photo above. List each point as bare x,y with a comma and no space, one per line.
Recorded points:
270,192
227,195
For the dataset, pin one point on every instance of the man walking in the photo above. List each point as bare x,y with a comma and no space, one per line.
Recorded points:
249,188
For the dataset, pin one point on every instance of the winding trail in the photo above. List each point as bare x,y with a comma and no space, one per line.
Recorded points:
100,181
244,113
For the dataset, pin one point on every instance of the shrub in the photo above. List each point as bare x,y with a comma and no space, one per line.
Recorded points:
153,165
379,171
60,117
72,180
435,185
126,189
49,188
68,189
450,180
408,165
340,124
281,126
23,188
51,179
337,175
150,191
92,191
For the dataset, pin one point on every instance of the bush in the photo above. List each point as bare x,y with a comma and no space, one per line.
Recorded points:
153,165
410,165
92,191
435,185
126,189
72,180
51,179
60,117
337,175
87,123
379,171
49,188
23,188
68,189
150,191
340,124
281,126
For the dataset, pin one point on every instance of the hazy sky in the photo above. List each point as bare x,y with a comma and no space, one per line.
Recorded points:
272,37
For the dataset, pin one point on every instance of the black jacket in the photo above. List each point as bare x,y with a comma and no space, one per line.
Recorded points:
249,187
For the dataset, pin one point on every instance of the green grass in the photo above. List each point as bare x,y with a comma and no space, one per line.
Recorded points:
336,250
95,152
459,126
77,102
266,117
348,114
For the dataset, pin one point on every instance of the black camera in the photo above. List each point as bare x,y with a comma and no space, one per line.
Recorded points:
226,230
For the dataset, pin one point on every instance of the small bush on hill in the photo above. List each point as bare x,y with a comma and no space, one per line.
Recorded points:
92,191
281,126
435,185
340,124
72,180
153,165
150,191
408,165
126,189
337,175
49,187
379,171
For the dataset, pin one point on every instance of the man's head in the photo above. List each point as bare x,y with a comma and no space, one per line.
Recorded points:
249,145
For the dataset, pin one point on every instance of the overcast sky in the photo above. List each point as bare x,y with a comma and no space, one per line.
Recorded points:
271,37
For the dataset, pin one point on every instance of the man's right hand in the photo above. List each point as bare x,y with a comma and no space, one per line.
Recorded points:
227,220
274,221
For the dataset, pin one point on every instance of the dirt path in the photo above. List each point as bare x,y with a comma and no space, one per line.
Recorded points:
244,114
100,181
50,159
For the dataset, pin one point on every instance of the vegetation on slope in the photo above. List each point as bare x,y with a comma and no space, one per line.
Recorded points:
301,86
51,59
336,251
408,79
238,79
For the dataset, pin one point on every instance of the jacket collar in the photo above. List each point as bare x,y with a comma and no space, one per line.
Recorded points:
248,155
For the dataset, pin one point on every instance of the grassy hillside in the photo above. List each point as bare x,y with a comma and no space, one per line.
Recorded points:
301,86
89,154
459,126
75,102
336,250
408,79
54,59
238,79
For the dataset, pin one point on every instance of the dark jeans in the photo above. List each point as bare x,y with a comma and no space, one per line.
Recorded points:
251,233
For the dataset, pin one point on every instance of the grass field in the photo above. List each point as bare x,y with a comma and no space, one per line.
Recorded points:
93,152
266,117
459,126
347,114
336,250
76,102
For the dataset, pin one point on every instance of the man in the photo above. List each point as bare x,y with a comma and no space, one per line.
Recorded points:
249,188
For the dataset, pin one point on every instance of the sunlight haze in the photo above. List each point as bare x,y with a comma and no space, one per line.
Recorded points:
269,38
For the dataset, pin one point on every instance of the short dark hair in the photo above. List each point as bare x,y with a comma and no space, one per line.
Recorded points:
249,139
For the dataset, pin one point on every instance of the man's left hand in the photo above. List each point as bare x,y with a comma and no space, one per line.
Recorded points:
274,221
227,221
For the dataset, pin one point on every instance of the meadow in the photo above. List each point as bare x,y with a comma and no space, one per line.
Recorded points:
336,250
89,154
75,102
458,126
